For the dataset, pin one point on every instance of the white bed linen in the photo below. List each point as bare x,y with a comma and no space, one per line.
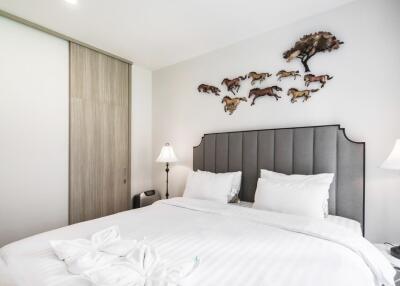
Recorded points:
347,223
5,278
236,246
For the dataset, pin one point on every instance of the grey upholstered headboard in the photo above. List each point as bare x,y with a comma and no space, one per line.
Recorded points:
299,150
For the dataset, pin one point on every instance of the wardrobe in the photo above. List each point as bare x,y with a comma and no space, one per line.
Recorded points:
99,181
65,130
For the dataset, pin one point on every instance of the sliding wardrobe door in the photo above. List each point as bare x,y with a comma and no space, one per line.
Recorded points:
99,134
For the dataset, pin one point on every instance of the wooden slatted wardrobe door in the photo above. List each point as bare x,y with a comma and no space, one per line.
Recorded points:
99,135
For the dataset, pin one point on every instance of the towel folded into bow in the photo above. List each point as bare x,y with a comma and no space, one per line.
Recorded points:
107,260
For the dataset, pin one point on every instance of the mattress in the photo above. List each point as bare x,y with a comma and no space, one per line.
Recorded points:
235,246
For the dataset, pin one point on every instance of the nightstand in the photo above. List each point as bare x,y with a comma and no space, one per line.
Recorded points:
145,199
385,249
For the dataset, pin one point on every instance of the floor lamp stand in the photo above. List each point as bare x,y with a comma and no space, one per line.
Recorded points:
167,170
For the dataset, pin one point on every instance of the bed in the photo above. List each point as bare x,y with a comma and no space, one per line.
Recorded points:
235,243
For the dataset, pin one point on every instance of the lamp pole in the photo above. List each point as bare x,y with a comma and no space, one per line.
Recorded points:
167,170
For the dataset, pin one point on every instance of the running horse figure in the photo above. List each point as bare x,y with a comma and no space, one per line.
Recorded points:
208,88
295,93
258,76
258,92
322,79
232,103
282,74
233,84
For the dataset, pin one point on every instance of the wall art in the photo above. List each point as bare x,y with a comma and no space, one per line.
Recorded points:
208,88
232,103
322,79
268,91
304,49
283,74
233,84
260,77
311,44
295,94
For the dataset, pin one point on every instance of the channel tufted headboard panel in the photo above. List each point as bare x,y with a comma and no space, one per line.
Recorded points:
299,150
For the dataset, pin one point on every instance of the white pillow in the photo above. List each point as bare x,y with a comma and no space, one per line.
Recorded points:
324,179
236,183
305,196
290,198
209,186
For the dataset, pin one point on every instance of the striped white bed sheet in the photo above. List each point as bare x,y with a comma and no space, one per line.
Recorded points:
347,223
5,275
233,249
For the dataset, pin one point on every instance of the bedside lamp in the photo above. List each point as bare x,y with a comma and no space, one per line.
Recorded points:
167,155
393,163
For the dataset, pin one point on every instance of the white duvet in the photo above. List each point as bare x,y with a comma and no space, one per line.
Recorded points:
236,246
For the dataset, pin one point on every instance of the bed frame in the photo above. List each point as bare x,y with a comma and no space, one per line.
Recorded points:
298,150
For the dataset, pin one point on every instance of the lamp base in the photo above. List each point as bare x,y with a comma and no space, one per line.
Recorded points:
395,251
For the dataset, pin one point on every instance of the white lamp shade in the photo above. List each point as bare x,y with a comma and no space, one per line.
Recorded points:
167,154
393,161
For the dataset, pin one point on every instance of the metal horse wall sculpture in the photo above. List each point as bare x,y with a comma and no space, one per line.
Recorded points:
304,49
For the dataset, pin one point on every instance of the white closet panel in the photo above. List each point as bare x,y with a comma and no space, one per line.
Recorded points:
34,85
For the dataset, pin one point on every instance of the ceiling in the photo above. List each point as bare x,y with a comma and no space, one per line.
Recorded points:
158,33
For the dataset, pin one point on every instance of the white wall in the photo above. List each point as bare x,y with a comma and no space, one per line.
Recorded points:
33,131
363,97
141,130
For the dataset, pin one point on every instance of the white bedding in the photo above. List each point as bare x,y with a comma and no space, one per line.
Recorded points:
5,278
236,246
349,224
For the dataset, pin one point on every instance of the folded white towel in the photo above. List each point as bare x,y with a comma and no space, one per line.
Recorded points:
125,274
89,261
105,237
120,248
108,260
71,249
171,275
118,274
103,248
144,259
